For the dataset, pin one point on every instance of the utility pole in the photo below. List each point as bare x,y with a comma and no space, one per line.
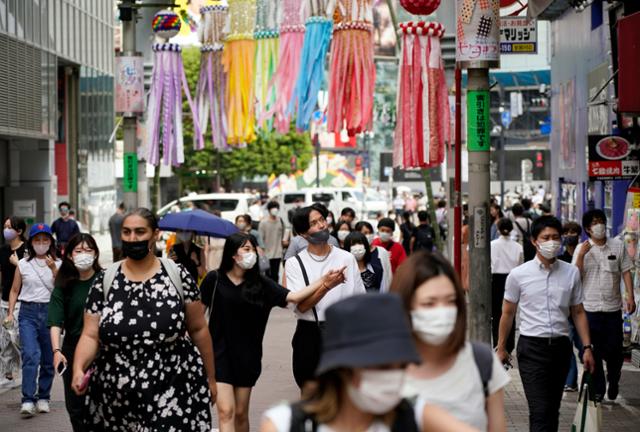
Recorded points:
130,120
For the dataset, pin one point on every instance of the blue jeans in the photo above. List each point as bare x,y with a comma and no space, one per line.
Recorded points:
572,376
37,355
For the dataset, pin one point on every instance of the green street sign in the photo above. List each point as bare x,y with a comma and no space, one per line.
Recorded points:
478,121
130,176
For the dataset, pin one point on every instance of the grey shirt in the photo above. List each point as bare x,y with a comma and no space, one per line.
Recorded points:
272,233
299,243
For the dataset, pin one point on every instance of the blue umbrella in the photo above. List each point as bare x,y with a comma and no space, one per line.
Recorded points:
200,221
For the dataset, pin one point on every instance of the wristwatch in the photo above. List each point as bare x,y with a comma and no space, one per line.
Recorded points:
588,347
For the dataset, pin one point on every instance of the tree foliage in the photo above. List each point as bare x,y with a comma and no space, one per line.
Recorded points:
270,153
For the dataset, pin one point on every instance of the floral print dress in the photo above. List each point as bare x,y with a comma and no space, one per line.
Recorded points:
149,376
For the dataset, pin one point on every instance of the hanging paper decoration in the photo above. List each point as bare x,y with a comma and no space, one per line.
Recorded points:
353,72
420,7
212,84
267,43
422,124
164,113
239,61
317,36
284,79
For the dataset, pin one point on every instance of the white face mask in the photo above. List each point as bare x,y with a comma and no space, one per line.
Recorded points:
84,261
598,231
370,238
343,235
379,391
241,226
434,325
358,251
549,249
247,260
274,211
384,236
329,220
41,248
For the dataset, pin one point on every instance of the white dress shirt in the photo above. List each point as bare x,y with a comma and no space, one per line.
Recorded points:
601,276
506,254
544,296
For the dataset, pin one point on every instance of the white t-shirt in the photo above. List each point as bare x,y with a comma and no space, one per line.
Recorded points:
337,259
37,280
459,391
280,416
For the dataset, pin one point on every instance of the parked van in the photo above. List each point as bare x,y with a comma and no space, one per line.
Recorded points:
287,200
229,205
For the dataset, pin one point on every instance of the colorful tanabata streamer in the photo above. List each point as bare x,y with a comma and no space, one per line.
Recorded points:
311,73
353,72
422,125
239,62
267,42
284,79
212,84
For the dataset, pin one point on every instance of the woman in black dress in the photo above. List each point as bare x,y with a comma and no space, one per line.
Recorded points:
148,376
240,299
187,253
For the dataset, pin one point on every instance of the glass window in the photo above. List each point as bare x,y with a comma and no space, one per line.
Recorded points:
20,19
3,15
11,16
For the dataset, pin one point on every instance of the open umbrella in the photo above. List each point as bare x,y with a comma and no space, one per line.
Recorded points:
200,221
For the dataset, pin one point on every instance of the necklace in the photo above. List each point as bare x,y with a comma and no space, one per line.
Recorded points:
37,260
324,258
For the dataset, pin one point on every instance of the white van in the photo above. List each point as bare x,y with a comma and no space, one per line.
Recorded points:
287,200
230,205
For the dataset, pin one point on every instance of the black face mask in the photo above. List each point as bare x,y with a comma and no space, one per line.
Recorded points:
319,237
571,240
137,250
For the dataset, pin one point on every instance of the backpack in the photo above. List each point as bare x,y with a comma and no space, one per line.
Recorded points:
528,247
404,420
169,265
424,238
483,357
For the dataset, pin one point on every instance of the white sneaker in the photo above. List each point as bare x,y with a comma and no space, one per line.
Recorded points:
27,410
43,406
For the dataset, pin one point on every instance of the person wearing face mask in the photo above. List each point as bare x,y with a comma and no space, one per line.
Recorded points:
369,264
65,226
397,255
341,231
272,232
190,255
317,260
465,379
366,229
32,285
547,291
143,316
239,300
10,253
604,263
299,242
66,311
367,345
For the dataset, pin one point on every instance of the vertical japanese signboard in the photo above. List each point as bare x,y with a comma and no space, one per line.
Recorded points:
130,173
129,83
478,121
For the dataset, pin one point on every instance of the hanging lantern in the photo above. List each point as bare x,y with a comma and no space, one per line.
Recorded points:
420,7
422,122
212,84
164,112
352,70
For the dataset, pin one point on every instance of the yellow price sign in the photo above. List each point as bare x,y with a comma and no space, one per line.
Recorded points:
636,200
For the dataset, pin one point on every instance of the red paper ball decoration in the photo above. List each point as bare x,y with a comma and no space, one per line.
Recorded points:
420,7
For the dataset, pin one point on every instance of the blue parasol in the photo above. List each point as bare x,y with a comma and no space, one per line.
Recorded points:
200,221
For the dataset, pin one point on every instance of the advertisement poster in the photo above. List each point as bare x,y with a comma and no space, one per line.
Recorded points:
518,35
565,106
478,33
612,158
129,80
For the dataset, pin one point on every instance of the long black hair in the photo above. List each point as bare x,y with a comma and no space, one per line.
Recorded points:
68,274
356,237
252,287
18,224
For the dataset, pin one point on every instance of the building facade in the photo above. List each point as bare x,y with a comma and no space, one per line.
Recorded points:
56,115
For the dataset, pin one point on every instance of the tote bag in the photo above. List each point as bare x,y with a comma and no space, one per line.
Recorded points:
588,417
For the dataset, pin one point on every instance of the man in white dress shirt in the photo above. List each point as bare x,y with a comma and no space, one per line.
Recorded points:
547,290
319,259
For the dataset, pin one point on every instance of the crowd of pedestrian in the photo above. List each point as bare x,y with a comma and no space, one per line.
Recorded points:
380,344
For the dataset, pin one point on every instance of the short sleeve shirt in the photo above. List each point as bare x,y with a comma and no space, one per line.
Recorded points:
8,269
602,274
544,296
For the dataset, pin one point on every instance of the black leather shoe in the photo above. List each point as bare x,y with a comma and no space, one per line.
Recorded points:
612,391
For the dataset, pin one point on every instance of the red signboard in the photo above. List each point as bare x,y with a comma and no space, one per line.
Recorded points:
612,158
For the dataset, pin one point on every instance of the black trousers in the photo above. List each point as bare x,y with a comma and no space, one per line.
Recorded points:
75,404
543,364
498,281
274,271
605,329
307,346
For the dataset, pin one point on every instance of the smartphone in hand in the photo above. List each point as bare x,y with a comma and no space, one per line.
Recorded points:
62,366
86,378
